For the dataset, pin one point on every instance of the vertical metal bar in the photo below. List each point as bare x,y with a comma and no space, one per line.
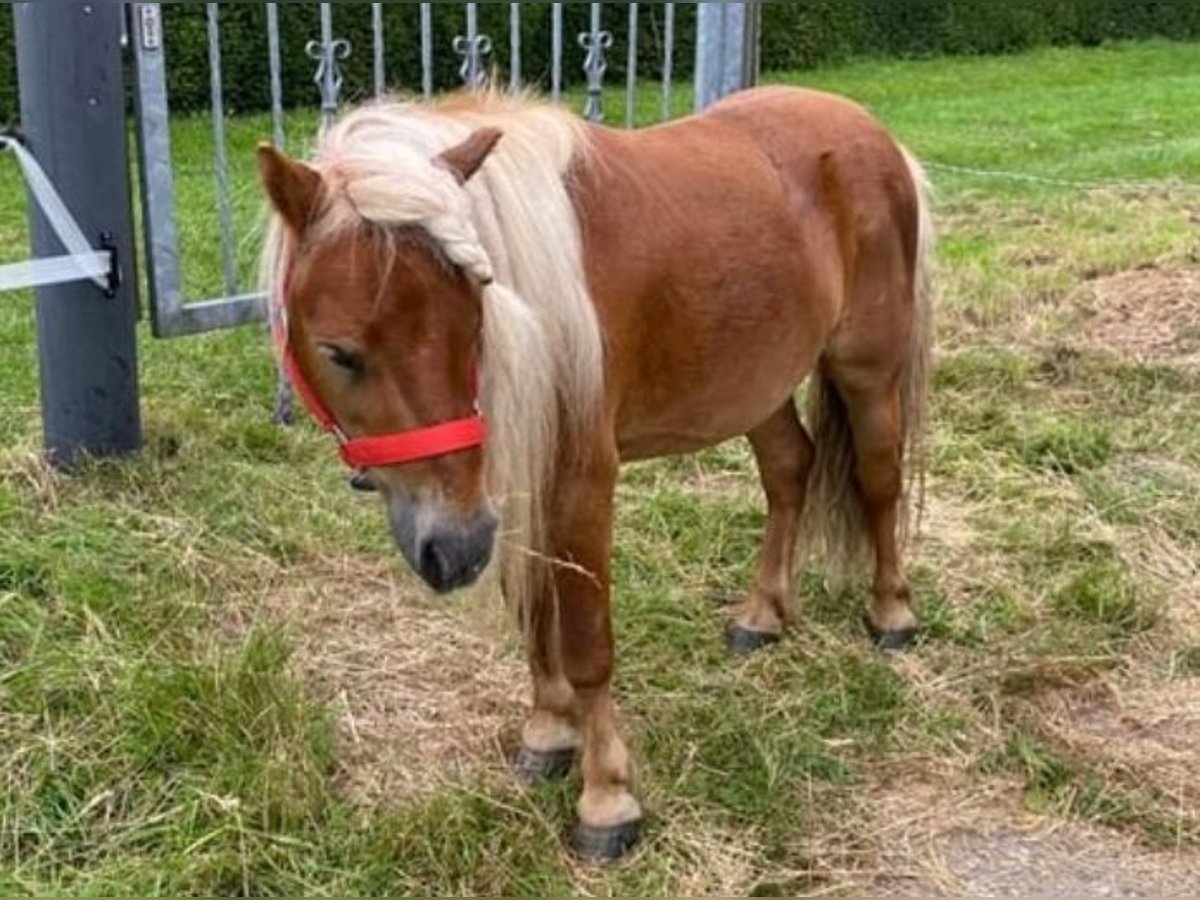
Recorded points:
596,42
556,53
668,61
472,49
73,112
327,23
224,204
514,78
377,29
719,57
160,224
632,79
276,59
726,50
329,55
284,396
427,49
752,49
328,110
472,41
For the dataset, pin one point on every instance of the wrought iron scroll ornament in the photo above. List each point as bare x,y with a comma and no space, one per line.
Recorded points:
329,56
473,49
596,44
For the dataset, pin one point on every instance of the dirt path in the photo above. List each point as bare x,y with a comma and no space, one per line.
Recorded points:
1004,855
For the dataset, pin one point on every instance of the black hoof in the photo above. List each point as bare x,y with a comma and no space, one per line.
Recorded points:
532,767
744,642
891,641
605,845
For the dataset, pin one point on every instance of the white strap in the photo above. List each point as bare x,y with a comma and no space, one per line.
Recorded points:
93,266
83,262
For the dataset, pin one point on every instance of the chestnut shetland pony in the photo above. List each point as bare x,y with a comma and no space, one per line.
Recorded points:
613,296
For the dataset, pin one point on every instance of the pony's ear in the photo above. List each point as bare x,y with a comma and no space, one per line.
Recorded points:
293,187
464,160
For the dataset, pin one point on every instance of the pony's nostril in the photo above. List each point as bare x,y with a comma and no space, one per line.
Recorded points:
436,567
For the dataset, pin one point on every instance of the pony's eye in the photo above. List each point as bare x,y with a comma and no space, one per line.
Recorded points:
344,358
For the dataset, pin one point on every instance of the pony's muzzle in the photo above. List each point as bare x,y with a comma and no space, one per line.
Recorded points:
449,555
455,560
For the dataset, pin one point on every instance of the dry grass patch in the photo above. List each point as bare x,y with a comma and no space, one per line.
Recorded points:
946,527
1150,314
1144,733
27,470
1152,503
422,695
1171,570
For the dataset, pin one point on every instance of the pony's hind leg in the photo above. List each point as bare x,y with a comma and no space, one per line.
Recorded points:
875,412
784,453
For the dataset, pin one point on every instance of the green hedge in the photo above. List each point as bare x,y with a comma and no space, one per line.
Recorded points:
808,33
797,35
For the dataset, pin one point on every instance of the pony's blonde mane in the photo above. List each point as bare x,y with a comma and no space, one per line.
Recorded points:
514,228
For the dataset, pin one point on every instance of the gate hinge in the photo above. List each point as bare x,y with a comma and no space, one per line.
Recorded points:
108,243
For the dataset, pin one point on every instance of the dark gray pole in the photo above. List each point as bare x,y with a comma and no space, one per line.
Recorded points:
73,116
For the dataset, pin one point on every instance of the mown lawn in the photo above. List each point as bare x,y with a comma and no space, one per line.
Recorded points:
175,718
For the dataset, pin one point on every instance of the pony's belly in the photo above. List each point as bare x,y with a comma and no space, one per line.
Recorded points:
699,413
694,433
658,446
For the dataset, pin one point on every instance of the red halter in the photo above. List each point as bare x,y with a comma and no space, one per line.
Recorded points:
399,449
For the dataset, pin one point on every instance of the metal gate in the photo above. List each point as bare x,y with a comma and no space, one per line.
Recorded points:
727,59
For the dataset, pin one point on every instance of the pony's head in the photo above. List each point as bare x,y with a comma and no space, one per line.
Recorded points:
385,318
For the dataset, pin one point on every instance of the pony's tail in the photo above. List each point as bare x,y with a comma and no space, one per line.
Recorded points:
834,524
914,395
837,524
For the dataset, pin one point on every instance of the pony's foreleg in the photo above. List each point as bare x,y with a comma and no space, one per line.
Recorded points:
550,738
581,524
785,453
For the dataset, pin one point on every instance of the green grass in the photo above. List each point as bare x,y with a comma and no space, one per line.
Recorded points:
1116,113
1056,783
158,737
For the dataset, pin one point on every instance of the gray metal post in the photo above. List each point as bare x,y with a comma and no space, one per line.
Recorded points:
727,50
73,115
